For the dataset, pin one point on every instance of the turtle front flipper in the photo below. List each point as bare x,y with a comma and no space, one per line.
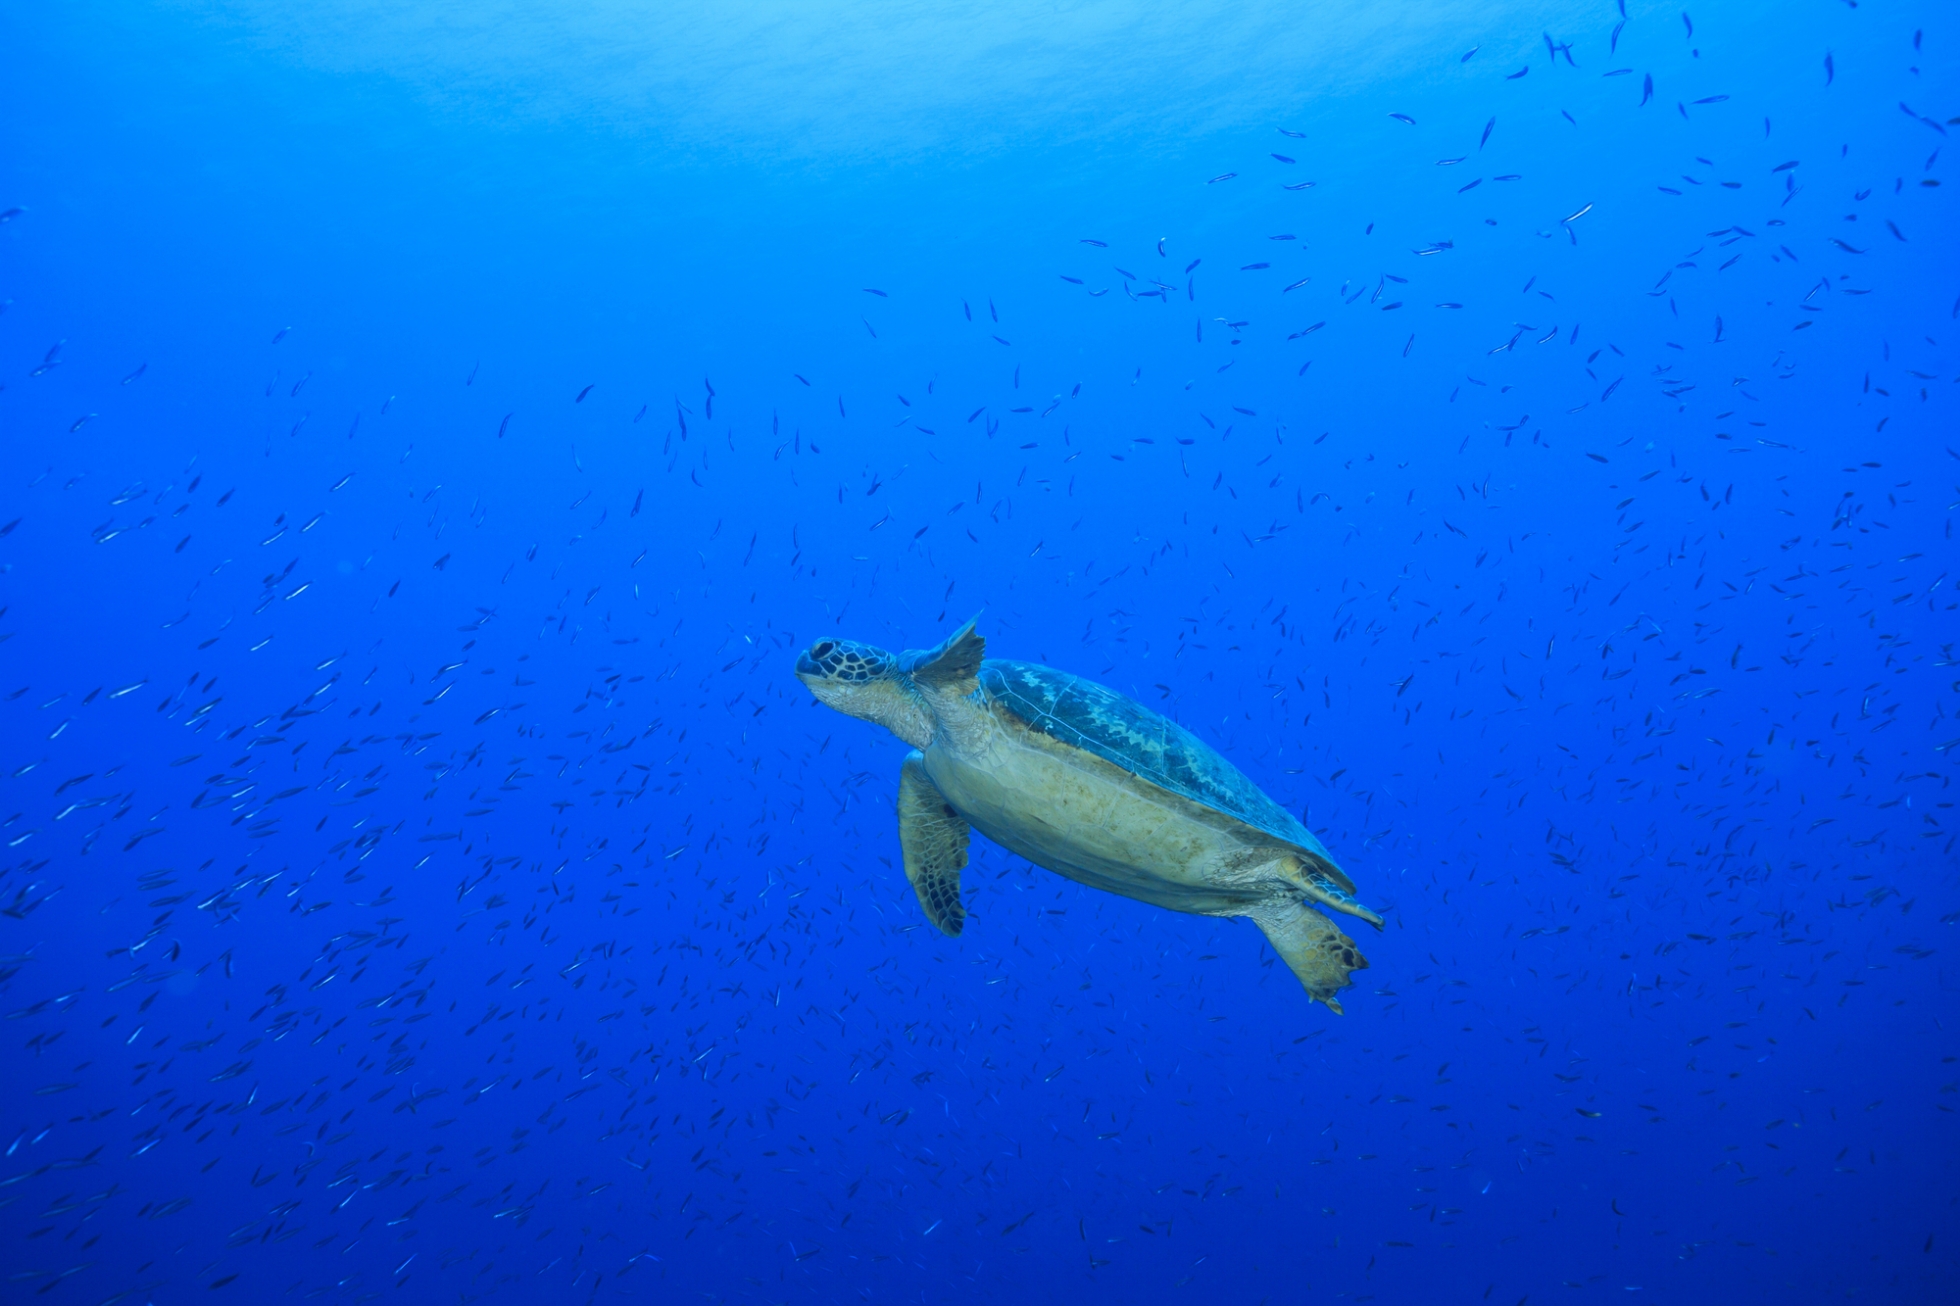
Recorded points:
934,838
1312,945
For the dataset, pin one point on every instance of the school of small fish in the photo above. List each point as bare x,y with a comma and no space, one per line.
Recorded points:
424,878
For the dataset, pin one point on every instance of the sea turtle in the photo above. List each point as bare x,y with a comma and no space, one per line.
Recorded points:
1081,780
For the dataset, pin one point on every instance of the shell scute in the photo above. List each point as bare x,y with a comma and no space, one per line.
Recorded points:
1121,731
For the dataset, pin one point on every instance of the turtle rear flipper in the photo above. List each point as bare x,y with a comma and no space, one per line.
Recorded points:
1312,945
934,838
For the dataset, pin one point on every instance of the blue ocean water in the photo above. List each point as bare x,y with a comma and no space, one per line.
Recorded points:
1520,438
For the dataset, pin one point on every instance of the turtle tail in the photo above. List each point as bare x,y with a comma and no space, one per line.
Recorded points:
1325,883
1312,945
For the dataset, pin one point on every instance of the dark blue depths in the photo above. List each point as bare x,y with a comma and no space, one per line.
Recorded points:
424,879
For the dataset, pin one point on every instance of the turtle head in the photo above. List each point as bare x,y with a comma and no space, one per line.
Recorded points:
845,662
862,680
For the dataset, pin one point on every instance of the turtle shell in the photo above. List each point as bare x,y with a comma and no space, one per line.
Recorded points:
1085,715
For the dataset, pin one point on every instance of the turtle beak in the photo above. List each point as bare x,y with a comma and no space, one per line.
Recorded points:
808,669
